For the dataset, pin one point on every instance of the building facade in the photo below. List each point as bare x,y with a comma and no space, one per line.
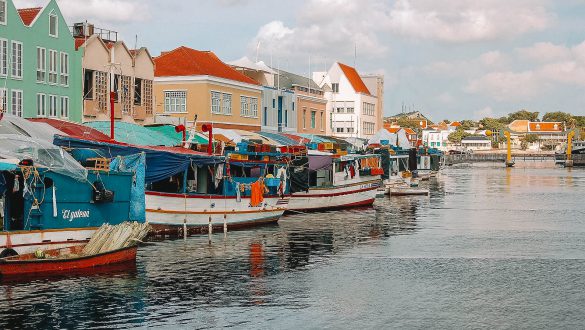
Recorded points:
191,83
39,67
109,66
351,107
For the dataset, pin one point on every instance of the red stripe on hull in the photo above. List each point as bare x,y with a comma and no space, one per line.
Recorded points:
366,203
177,230
62,266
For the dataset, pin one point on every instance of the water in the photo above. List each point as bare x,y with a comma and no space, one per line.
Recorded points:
490,248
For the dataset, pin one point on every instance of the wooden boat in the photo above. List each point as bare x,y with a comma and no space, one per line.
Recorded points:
63,261
407,189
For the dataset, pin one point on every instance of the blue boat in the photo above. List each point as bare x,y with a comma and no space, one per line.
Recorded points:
48,200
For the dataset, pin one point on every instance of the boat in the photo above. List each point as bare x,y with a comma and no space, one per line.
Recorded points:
325,181
109,245
51,201
428,163
59,261
406,188
190,192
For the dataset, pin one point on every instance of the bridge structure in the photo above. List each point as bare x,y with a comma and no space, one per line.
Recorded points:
497,158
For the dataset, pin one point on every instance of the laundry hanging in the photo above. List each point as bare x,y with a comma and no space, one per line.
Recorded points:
257,193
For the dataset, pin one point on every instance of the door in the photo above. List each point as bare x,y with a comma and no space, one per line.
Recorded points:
280,119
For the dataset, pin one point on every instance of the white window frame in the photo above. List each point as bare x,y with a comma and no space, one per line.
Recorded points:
171,101
226,99
51,16
41,105
253,107
16,59
304,118
53,67
244,106
64,69
313,118
4,20
53,111
215,102
64,107
4,100
4,54
16,97
41,64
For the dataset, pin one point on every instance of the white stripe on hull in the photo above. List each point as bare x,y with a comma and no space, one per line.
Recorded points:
195,212
28,242
334,197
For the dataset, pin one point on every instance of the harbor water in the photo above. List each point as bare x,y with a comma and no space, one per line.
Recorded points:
490,248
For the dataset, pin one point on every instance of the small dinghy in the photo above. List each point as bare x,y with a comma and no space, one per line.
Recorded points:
110,245
403,188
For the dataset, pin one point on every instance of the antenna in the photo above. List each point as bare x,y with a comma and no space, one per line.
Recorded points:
354,55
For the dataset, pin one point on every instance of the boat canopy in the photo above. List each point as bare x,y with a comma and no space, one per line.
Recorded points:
170,132
19,126
72,129
133,134
41,153
396,140
161,162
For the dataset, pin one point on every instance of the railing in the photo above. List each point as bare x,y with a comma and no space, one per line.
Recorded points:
496,157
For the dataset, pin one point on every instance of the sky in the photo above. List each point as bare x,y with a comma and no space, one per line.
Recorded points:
449,59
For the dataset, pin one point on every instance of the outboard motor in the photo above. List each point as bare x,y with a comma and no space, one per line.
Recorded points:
101,194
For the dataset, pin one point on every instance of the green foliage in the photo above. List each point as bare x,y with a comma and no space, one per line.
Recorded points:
557,116
492,124
447,121
458,135
523,115
468,124
408,123
531,138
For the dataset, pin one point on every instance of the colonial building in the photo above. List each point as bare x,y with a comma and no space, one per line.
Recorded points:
190,82
38,63
279,100
351,107
109,66
550,135
375,84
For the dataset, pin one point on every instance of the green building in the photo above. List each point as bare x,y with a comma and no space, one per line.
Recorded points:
40,71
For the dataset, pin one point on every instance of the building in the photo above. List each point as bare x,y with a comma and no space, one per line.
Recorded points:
109,66
279,100
414,117
351,107
550,135
311,103
476,142
191,83
39,67
375,84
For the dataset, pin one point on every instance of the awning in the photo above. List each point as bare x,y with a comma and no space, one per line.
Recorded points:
133,134
73,129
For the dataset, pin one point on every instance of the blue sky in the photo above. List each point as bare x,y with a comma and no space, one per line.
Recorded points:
450,59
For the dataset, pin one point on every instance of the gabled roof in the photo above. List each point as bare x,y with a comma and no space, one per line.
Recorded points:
185,61
409,131
545,127
79,42
455,124
354,78
289,80
28,15
393,129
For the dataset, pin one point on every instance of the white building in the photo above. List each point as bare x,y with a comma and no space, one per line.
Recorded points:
476,142
352,110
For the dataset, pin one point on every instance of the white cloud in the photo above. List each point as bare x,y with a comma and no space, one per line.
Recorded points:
97,11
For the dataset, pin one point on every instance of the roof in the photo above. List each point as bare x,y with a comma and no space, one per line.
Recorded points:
393,129
545,127
354,78
79,42
73,129
409,131
289,80
28,15
184,61
455,124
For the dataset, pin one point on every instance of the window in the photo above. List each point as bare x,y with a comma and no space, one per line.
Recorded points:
16,103
273,103
244,106
88,85
304,117
265,116
147,96
349,109
293,106
215,102
41,105
227,103
3,10
339,130
53,25
254,107
101,90
52,106
41,64
321,123
3,100
17,60
350,130
64,69
368,109
64,106
125,94
335,87
3,57
340,110
175,101
137,91
369,128
52,66
313,119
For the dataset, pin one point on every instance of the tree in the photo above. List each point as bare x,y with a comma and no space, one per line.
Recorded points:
408,123
557,116
457,136
468,124
447,121
523,115
491,124
528,138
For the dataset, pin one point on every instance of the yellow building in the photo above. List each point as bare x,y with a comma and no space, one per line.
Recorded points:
189,82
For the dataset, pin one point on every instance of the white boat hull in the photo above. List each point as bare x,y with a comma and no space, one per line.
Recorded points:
323,198
173,211
24,242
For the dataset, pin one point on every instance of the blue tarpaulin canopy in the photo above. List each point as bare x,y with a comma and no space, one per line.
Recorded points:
135,134
161,162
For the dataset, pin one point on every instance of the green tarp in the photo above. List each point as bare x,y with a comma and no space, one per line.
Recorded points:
136,134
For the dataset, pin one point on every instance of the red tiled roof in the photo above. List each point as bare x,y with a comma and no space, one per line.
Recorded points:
455,124
545,127
79,42
185,61
393,129
28,15
409,131
354,78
